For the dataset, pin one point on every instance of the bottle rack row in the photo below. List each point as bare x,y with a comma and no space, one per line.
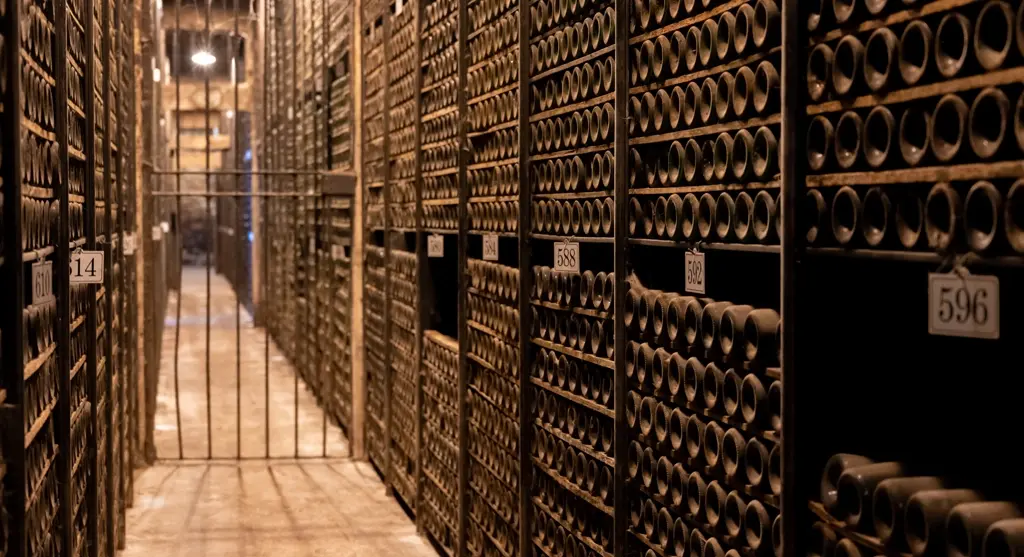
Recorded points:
67,195
631,382
309,125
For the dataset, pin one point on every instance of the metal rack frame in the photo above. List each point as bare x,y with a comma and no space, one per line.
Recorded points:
15,269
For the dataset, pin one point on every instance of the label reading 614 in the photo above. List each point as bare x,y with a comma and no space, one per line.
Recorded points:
963,306
86,267
567,257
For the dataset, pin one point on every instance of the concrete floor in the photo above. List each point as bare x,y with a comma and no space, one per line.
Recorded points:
229,507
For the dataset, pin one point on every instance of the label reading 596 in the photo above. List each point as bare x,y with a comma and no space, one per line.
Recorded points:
567,257
963,306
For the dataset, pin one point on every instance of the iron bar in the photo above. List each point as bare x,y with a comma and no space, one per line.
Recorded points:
230,194
177,213
232,172
296,249
235,50
212,234
266,234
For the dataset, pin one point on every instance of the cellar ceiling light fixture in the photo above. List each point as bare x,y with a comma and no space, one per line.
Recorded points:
203,58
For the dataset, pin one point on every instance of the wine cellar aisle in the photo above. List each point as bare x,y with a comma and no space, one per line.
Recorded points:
234,509
236,432
512,278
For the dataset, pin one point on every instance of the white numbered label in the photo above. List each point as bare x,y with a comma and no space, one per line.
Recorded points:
435,245
87,267
337,252
695,273
963,306
42,282
129,244
490,247
567,257
158,233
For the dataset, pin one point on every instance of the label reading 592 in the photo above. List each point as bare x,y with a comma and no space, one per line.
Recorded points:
490,247
695,273
963,306
435,245
86,267
567,257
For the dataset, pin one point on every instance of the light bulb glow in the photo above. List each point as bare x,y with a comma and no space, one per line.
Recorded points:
203,58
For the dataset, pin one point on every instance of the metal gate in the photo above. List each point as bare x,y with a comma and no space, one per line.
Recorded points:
257,244
235,351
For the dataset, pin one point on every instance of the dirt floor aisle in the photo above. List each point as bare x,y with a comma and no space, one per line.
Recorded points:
228,507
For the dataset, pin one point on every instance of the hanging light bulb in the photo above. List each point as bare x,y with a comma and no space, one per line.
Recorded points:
203,58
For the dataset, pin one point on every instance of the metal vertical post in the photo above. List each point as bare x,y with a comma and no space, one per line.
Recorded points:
328,394
108,321
794,513
63,290
386,395
525,287
421,259
92,450
621,153
464,159
13,283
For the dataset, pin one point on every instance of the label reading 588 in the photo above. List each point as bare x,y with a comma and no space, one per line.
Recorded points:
567,257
